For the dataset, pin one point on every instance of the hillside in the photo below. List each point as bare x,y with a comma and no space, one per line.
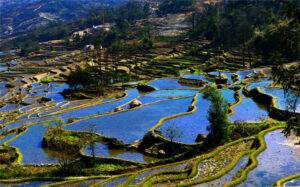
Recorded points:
18,17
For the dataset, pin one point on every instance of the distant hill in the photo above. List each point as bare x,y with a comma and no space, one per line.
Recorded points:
20,16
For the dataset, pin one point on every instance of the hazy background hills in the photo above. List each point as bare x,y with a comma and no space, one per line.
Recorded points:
21,16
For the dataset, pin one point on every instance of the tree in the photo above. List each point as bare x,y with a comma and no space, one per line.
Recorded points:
80,77
92,144
219,132
115,52
172,132
288,75
28,47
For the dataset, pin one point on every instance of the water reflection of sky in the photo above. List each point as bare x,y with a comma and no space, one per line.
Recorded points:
103,151
30,145
132,125
249,111
196,123
281,99
3,68
276,162
259,84
29,184
168,84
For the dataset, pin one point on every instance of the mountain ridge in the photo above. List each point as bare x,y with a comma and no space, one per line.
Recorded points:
20,17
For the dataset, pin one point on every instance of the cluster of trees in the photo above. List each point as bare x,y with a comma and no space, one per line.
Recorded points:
281,40
28,47
258,26
80,77
271,29
175,6
232,23
107,66
217,115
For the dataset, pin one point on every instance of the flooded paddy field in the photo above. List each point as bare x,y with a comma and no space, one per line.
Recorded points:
115,118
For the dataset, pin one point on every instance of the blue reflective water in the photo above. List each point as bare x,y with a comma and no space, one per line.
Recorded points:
3,90
132,125
3,68
168,84
7,138
277,161
102,150
146,100
228,74
9,107
191,125
35,84
30,145
27,184
172,93
115,182
259,84
196,76
58,87
228,94
102,108
24,109
249,111
281,99
56,97
243,74
196,123
20,123
293,183
13,63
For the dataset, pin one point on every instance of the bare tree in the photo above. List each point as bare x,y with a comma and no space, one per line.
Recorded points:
91,145
172,132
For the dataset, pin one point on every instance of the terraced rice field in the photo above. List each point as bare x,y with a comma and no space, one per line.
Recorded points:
131,124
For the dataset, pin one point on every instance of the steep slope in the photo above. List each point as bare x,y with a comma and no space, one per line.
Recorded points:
19,17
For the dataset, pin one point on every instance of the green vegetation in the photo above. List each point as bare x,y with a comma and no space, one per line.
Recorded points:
109,167
283,181
217,115
124,16
175,6
253,157
28,47
80,77
227,36
50,79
